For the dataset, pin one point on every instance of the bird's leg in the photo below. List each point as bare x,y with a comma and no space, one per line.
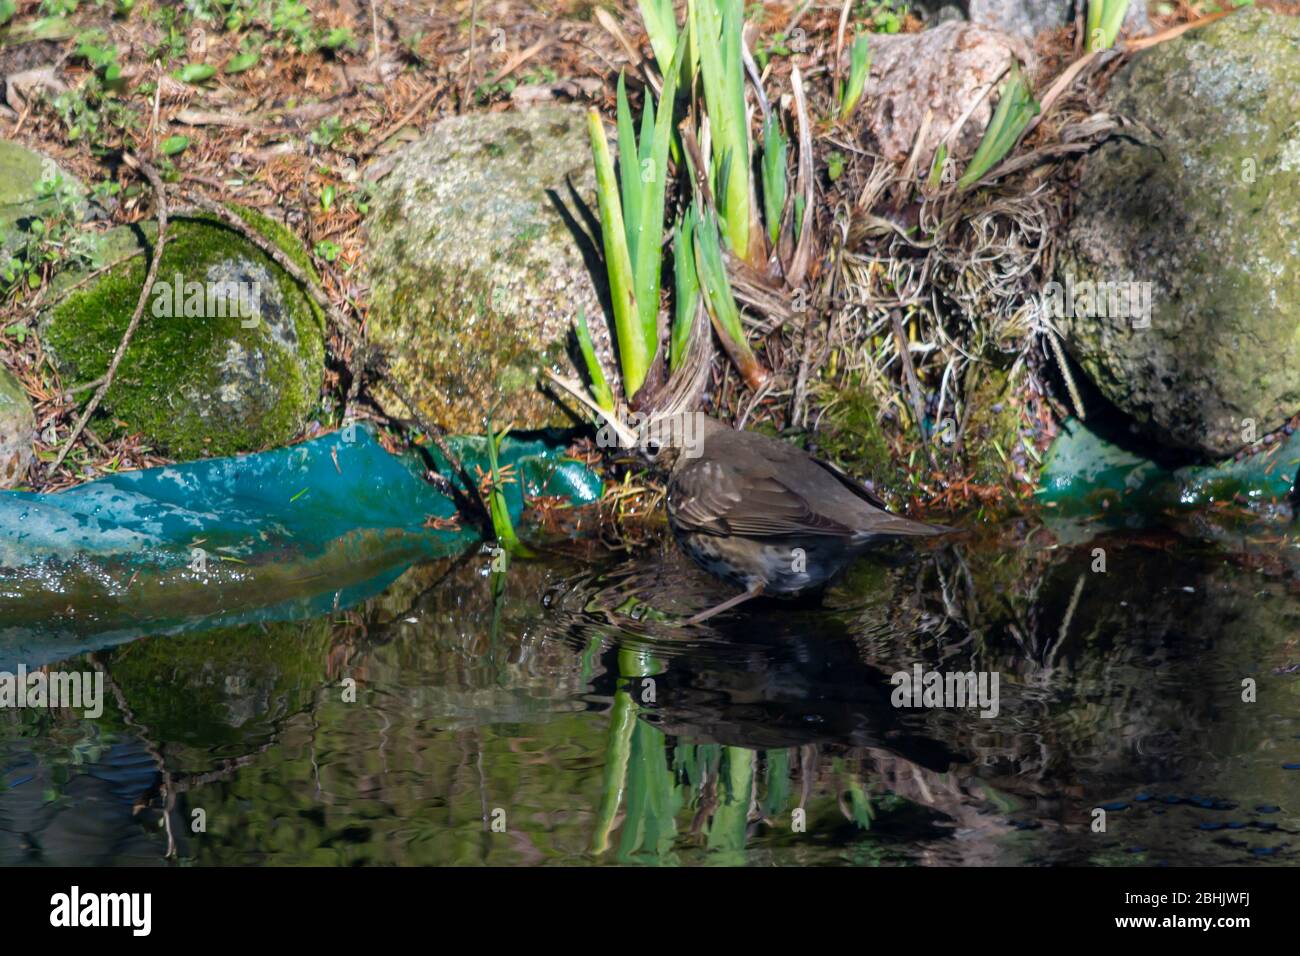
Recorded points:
727,605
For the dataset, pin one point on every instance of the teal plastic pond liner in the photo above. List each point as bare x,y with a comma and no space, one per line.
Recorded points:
276,535
1084,474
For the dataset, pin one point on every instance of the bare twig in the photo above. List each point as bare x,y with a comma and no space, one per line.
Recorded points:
161,198
913,384
469,57
802,258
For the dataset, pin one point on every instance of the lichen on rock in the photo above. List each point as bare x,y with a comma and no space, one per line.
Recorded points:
17,430
201,376
478,270
1206,210
21,173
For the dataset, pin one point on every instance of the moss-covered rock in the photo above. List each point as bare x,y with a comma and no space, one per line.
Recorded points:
17,430
212,374
477,271
21,173
1209,216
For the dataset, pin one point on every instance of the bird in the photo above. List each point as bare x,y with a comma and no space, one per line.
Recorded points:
760,513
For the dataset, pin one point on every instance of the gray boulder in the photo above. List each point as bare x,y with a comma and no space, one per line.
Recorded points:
943,70
477,271
1202,220
1028,18
17,430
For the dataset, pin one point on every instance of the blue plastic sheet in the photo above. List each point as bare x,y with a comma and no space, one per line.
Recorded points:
275,535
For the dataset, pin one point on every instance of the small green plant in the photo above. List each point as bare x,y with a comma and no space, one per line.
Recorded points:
241,62
859,65
887,15
686,300
661,24
631,220
720,302
327,131
835,163
48,240
173,145
502,526
1105,17
91,115
196,73
58,8
775,150
938,168
336,39
600,389
1015,109
716,27
327,250
293,20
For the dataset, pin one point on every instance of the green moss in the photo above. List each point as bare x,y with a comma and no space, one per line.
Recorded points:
992,438
852,437
195,386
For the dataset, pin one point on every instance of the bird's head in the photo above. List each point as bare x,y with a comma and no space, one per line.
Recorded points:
664,440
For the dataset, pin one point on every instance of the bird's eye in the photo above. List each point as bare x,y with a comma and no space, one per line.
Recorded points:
652,448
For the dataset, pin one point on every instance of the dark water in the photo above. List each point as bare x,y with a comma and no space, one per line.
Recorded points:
559,715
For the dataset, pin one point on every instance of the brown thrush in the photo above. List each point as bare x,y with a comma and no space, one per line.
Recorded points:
763,514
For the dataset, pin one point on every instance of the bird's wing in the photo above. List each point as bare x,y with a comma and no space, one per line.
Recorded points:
714,497
847,480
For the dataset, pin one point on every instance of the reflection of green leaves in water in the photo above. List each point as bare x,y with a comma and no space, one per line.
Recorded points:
859,799
730,820
619,750
637,764
652,801
777,797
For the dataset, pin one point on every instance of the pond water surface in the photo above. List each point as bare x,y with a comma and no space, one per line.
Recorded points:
1147,713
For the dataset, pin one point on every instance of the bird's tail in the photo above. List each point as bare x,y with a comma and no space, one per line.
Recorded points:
886,525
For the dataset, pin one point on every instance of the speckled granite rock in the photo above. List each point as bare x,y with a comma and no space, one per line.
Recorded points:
944,70
1209,216
17,430
477,274
1028,18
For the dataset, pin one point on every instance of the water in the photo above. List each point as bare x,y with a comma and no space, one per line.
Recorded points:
559,716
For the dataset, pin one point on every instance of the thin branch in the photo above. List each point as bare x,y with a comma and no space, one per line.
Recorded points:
161,198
